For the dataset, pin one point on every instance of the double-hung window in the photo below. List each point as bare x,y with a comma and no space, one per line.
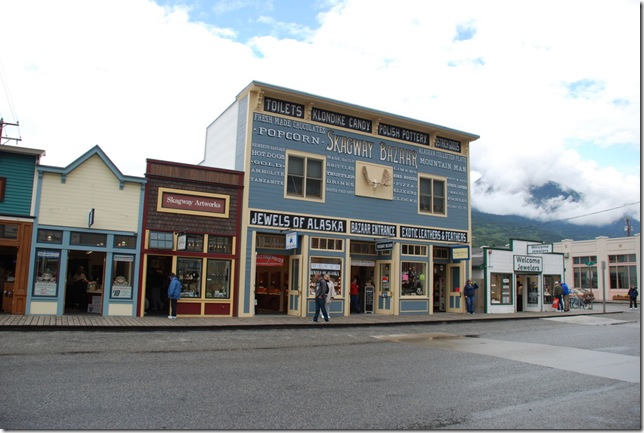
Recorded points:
432,196
304,177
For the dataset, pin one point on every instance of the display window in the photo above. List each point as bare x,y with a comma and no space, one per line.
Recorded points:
218,279
326,266
501,289
414,279
548,287
189,275
47,267
123,271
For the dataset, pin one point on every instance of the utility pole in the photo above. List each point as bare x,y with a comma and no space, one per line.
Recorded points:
627,229
2,137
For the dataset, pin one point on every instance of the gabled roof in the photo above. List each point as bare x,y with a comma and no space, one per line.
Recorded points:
94,151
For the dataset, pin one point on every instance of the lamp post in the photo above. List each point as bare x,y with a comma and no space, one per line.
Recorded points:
590,264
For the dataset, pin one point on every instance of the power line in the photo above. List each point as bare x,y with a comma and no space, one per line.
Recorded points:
588,214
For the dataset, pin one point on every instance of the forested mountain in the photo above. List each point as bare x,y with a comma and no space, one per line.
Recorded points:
497,230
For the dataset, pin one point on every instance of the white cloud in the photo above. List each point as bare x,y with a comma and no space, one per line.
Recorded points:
143,81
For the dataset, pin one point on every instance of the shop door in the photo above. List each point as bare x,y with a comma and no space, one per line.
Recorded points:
455,294
384,289
532,293
295,292
84,289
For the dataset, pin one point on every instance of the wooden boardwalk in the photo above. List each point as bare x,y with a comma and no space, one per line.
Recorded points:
89,322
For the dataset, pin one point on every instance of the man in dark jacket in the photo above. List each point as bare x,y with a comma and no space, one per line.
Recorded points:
632,295
469,291
559,295
321,289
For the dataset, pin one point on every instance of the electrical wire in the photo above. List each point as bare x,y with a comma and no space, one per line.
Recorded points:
581,216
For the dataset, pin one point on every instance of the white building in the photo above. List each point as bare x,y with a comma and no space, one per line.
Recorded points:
606,265
517,278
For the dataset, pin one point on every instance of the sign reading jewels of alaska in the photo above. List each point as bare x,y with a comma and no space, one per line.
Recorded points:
364,169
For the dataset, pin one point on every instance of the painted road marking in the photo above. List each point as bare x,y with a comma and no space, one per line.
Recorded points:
601,364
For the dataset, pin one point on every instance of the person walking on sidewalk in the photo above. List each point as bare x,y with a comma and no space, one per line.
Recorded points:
469,293
321,290
632,296
174,293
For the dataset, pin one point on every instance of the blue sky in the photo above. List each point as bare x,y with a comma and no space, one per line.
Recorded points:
251,18
551,87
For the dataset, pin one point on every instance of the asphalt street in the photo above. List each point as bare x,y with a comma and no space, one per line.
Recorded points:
519,374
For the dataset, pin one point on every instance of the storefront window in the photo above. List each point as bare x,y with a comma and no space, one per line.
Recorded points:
123,272
194,243
121,241
585,275
548,287
88,239
50,236
189,274
161,240
623,271
320,265
8,231
414,281
219,244
47,266
501,289
218,279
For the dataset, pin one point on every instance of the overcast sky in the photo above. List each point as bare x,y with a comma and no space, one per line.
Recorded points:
552,87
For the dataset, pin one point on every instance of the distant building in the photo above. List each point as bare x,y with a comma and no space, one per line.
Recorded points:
518,278
606,265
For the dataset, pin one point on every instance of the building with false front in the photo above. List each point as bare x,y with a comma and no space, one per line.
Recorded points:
520,277
88,222
191,229
17,183
338,189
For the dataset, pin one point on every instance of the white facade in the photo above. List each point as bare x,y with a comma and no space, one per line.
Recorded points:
519,279
606,265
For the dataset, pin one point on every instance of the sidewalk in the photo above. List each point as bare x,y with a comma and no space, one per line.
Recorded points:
94,322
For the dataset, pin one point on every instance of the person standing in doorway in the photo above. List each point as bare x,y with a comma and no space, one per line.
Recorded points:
329,295
469,292
321,288
632,296
174,293
355,293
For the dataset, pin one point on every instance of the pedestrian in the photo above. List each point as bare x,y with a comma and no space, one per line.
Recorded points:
559,296
330,295
469,292
155,282
321,288
566,296
355,293
174,293
632,296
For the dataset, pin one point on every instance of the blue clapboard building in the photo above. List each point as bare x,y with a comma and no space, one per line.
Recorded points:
368,197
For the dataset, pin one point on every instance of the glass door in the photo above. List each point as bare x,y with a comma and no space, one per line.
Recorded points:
384,289
295,292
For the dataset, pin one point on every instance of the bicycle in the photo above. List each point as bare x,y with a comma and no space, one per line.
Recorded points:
577,302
